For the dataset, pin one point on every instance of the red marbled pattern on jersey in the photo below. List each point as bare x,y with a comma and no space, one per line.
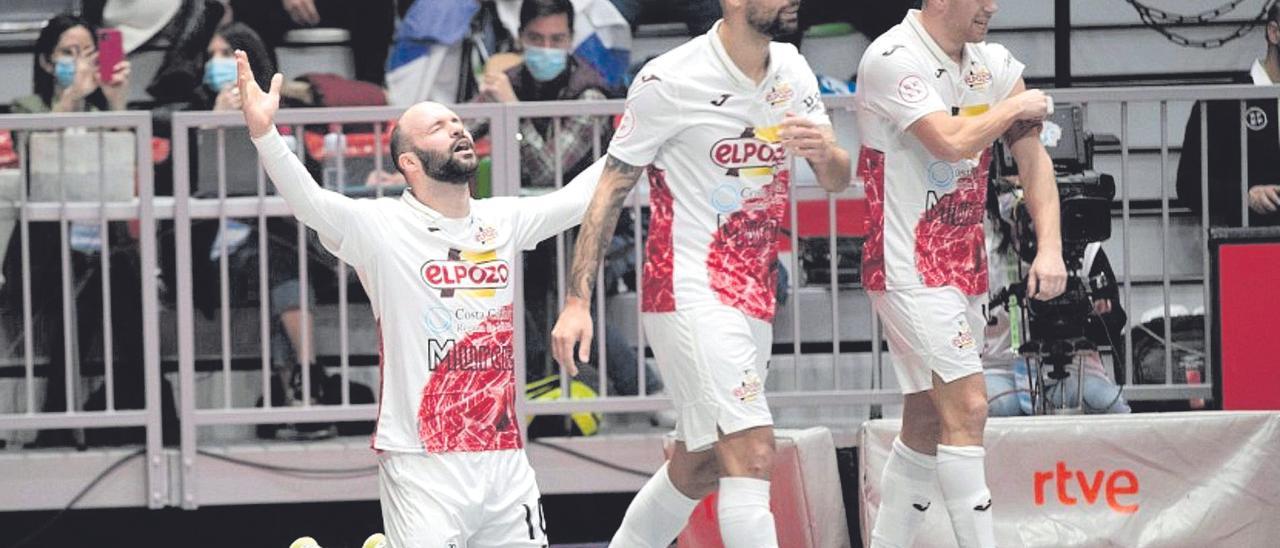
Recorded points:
950,244
659,257
744,249
871,170
469,403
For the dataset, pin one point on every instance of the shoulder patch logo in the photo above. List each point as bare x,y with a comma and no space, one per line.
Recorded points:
912,89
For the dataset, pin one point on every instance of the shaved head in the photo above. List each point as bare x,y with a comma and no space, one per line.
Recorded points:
429,139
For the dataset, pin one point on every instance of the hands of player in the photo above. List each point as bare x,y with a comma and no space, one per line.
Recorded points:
1264,199
801,137
497,86
1032,104
1048,276
573,327
259,107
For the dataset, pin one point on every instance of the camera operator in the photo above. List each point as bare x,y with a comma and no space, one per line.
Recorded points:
1004,370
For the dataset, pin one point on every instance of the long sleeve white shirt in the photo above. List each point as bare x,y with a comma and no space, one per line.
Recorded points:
441,290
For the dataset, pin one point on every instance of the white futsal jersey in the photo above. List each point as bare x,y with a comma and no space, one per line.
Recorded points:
925,222
718,174
441,290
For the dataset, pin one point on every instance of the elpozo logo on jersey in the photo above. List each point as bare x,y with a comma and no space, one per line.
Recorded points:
978,78
754,152
478,273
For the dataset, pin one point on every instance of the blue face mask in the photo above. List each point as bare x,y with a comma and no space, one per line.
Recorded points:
545,63
64,71
219,72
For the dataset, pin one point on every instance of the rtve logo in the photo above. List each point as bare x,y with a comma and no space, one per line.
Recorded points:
1114,485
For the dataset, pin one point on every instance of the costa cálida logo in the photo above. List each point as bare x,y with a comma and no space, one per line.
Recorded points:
481,272
752,150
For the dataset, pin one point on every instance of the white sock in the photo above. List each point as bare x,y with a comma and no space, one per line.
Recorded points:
906,488
963,479
655,516
745,519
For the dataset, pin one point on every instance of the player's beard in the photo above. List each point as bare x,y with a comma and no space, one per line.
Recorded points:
774,24
446,167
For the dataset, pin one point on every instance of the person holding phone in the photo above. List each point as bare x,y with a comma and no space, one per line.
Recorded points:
67,77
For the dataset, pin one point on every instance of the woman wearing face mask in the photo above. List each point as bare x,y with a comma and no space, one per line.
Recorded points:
66,71
66,79
218,90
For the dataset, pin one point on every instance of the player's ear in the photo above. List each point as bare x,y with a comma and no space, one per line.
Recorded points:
408,162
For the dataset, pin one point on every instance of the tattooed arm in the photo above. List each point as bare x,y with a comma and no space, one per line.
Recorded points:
574,325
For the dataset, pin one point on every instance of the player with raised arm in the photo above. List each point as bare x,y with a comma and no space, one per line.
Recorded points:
437,266
932,98
715,122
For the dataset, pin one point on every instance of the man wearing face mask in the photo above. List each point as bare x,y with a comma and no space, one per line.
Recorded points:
549,73
437,266
1224,119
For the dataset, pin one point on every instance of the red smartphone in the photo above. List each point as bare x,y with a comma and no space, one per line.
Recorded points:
110,52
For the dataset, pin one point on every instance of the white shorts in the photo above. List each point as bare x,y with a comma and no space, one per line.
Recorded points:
713,360
460,500
931,330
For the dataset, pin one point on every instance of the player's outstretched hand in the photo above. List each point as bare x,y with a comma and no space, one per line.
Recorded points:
801,137
1032,104
259,107
1047,278
574,327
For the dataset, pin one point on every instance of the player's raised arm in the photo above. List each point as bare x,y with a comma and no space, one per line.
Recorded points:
545,216
333,216
574,325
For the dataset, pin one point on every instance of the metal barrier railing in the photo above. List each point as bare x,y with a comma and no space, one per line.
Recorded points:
80,205
845,370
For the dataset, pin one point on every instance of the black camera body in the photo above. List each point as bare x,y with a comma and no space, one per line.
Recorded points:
1084,198
1084,203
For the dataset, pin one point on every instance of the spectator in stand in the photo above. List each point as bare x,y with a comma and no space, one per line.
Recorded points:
1224,121
66,79
549,72
66,71
371,24
219,92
